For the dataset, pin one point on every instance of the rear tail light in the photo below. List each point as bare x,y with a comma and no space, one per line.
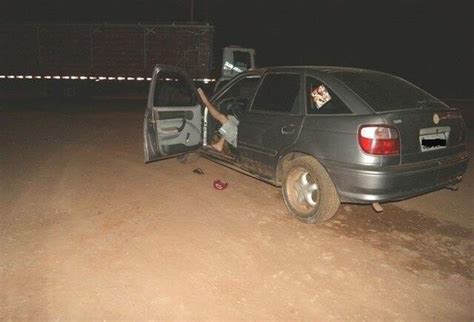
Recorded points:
379,140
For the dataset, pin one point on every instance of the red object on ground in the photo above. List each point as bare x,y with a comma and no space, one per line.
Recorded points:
220,185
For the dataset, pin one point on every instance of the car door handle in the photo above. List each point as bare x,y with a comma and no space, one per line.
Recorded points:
288,129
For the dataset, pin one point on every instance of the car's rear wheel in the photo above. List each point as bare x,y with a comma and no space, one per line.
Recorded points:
308,191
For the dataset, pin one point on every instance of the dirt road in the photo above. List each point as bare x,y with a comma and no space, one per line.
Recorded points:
88,231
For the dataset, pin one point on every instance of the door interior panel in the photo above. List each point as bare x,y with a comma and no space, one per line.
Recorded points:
170,127
178,128
173,118
175,115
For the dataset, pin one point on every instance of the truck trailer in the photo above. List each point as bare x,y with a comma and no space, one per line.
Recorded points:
77,59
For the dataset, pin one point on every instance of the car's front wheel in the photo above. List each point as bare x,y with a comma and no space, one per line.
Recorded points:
308,191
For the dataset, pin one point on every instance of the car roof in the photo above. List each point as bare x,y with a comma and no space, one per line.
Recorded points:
323,69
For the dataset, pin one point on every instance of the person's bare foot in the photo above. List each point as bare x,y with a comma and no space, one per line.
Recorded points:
215,148
219,145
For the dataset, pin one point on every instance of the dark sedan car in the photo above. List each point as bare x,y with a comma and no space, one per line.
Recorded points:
326,135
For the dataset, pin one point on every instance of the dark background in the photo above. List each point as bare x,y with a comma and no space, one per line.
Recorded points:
427,42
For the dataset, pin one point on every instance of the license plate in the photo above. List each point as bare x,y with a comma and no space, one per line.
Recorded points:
433,138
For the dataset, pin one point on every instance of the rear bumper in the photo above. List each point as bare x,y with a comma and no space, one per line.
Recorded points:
366,184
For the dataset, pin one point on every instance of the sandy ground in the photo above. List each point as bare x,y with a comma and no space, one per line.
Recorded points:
88,231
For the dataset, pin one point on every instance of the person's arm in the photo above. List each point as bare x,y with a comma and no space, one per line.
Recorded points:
212,109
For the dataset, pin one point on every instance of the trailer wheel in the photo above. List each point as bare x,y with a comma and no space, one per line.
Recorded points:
47,92
70,92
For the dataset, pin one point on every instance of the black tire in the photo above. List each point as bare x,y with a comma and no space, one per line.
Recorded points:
308,190
188,158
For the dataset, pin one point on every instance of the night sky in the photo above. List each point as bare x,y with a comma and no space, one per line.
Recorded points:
428,42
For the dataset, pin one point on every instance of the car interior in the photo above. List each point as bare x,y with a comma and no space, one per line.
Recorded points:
235,100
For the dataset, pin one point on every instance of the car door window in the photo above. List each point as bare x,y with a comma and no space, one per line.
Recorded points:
278,93
320,99
173,90
238,96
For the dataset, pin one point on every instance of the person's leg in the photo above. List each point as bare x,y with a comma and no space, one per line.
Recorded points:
219,145
211,108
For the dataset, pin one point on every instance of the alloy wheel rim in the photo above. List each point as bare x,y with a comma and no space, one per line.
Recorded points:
302,191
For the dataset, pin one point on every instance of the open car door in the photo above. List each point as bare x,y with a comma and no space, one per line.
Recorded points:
172,123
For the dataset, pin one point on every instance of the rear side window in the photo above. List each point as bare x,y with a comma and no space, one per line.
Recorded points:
277,93
320,99
384,92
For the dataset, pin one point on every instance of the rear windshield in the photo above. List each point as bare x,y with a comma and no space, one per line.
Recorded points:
384,92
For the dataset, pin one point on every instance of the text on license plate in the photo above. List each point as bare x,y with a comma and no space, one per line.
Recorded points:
433,138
